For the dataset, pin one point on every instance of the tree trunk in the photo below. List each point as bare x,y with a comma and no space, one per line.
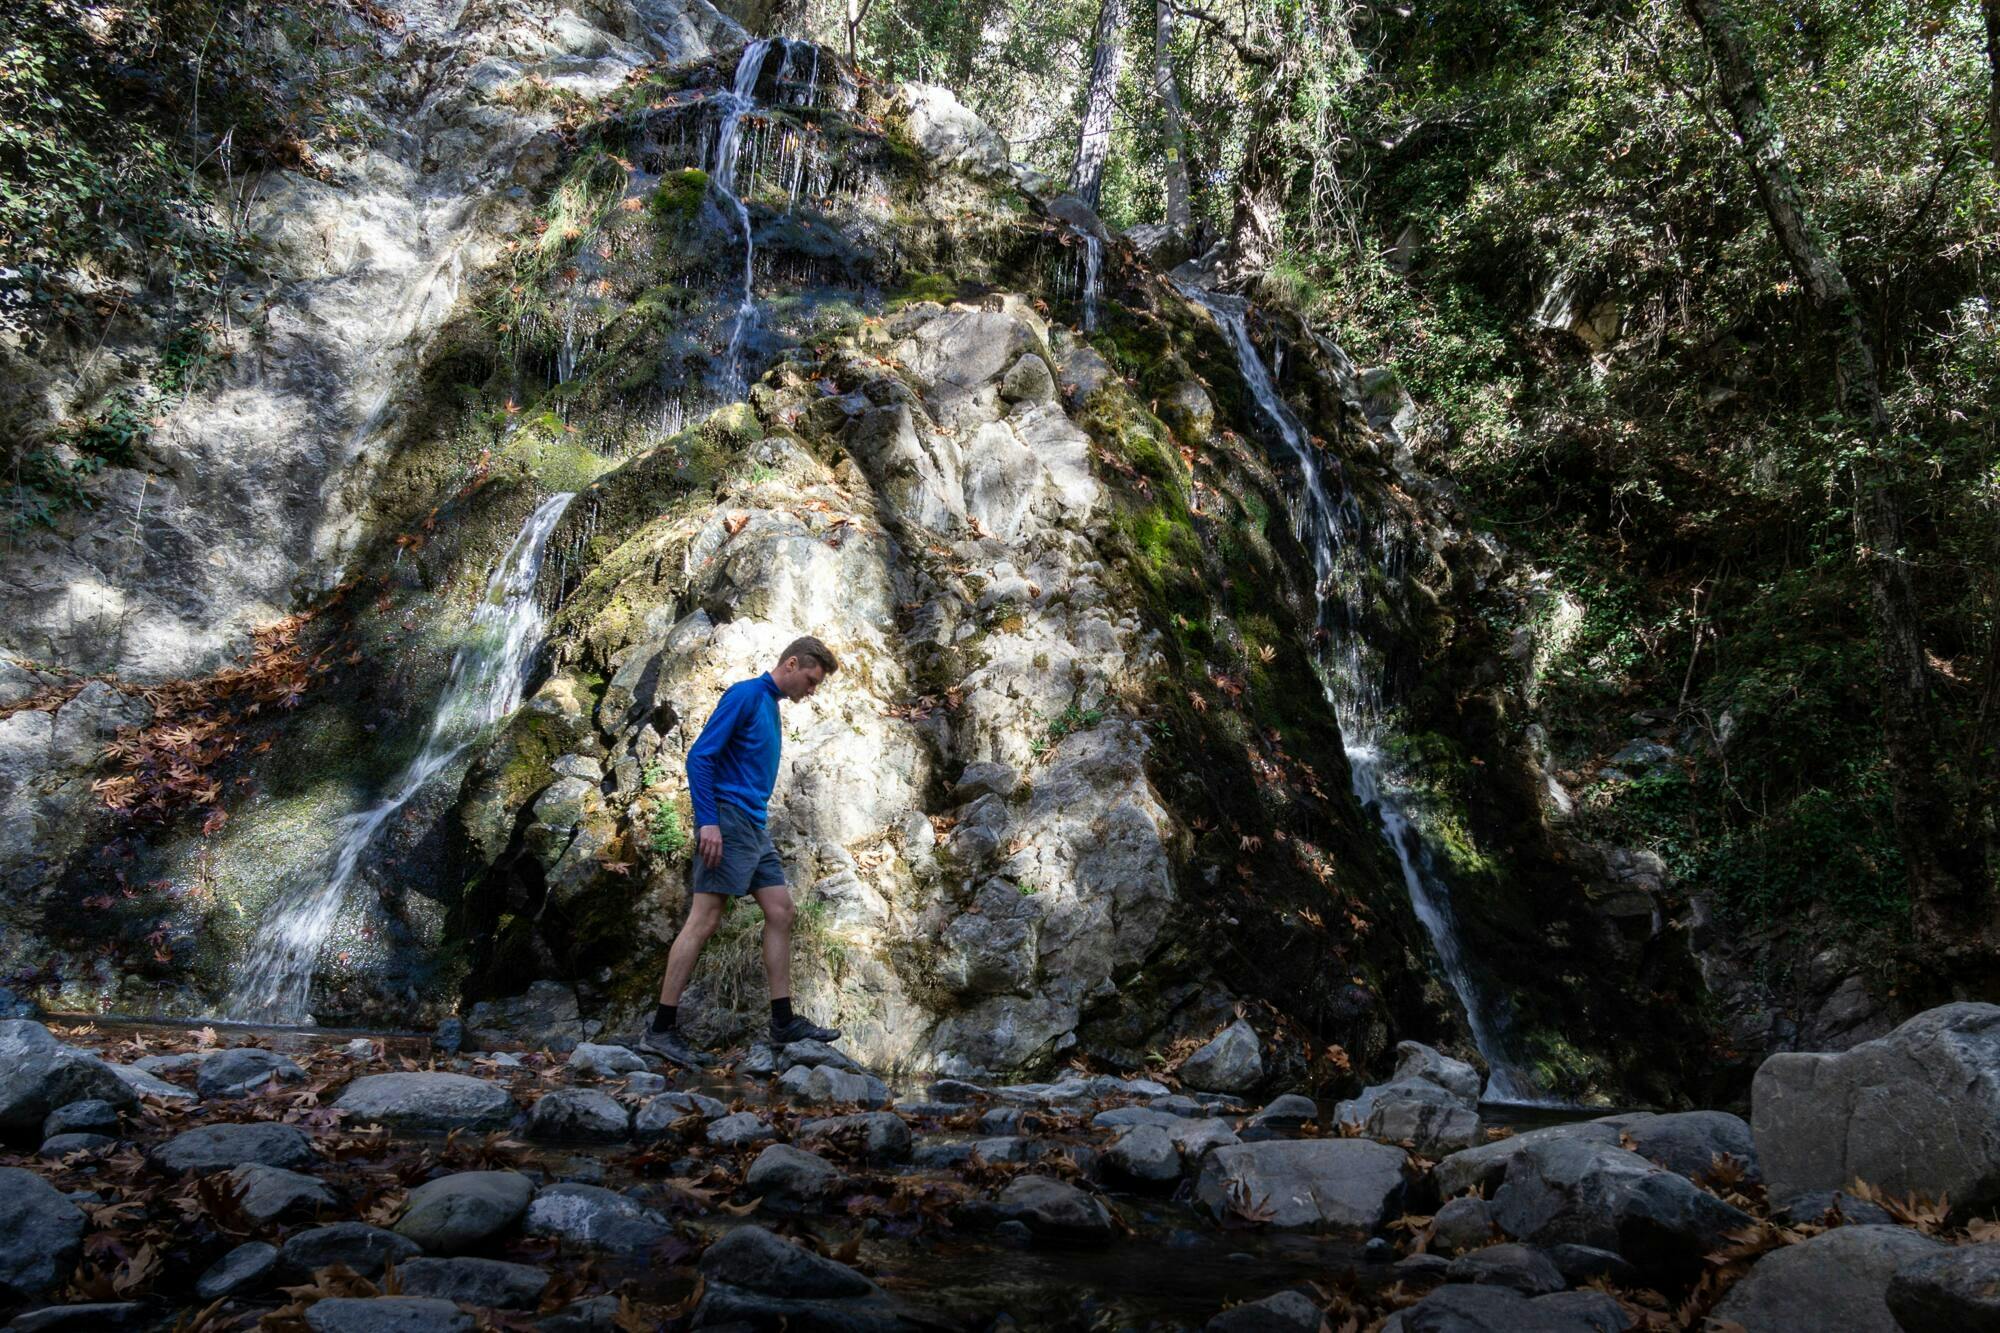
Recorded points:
1255,224
1093,140
1180,217
1946,869
1992,8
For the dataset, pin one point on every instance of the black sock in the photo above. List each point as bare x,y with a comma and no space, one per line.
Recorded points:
664,1017
781,1011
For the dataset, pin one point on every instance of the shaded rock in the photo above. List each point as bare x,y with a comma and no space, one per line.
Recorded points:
752,1279
660,1112
1190,411
1428,1269
1958,1288
427,1103
1285,1114
89,1318
60,1146
578,1115
1029,379
1484,1167
1291,1183
787,1174
1916,1110
1831,1207
85,1117
877,1135
363,1248
825,1083
244,1069
1459,1308
596,1315
222,1147
386,1314
1418,1063
41,1235
1001,1148
1232,1062
1054,1208
1582,1263
595,1218
249,1266
143,1084
644,1084
605,1061
1567,1190
1144,1155
739,1130
1461,1224
38,1075
544,1016
1688,1142
1520,1267
488,1282
271,1193
449,1038
1432,1101
1286,1312
1839,1279
461,1212
1003,1120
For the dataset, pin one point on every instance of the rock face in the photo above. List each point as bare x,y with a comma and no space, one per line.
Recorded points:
1839,1279
1916,1110
41,1235
427,1103
1347,1184
1572,1191
1432,1100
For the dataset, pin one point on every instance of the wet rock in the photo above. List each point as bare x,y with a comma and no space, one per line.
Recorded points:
644,1084
1286,1312
386,1314
1144,1155
143,1084
1458,1308
1584,1263
578,1115
1001,1148
1003,1120
877,1135
1286,1114
1831,1207
1432,1101
1956,1289
85,1117
1916,1110
1183,1106
1232,1062
223,1147
605,1061
754,1279
545,1016
38,1075
1484,1167
461,1212
248,1267
41,1235
1190,411
813,1054
427,1103
595,1218
449,1038
1839,1279
243,1070
1461,1224
1428,1269
789,1175
1567,1190
1688,1142
596,1315
60,1146
739,1130
1519,1267
1054,1209
485,1282
958,1091
271,1193
363,1248
824,1083
662,1111
89,1318
1291,1183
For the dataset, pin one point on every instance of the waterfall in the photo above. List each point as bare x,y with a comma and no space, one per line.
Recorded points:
1093,278
728,138
488,674
1335,535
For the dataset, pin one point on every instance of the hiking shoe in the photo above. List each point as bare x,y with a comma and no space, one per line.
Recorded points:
801,1029
672,1045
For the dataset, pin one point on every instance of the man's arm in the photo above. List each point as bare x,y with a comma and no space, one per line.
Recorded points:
722,724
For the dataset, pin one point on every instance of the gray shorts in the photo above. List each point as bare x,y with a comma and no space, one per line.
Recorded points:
749,861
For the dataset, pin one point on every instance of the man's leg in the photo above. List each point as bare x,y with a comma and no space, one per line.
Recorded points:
776,900
704,915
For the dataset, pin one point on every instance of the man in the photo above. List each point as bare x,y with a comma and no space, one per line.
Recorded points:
731,771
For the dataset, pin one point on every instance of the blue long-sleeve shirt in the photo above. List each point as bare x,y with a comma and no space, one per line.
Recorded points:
735,759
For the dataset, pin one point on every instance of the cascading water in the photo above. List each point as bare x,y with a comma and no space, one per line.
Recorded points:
742,97
1093,278
488,674
1336,536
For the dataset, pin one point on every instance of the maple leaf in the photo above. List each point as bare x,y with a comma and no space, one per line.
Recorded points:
617,867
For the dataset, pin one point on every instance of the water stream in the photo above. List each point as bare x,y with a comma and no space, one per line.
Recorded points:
488,674
741,99
1334,532
1093,278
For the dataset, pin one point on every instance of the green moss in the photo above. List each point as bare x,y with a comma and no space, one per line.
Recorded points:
678,197
919,286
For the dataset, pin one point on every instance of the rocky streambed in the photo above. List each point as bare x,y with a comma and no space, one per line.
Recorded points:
198,1179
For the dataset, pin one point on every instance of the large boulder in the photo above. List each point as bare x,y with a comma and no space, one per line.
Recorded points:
1837,1280
39,1074
41,1235
1484,1167
1292,1183
1956,1288
1689,1142
1915,1111
1570,1191
427,1103
945,132
461,1212
1232,1062
1432,1102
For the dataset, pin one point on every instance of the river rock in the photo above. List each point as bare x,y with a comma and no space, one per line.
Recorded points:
85,1117
1831,1207
739,1130
1432,1102
1232,1062
386,1314
1520,1267
486,1282
242,1070
813,1054
790,1175
41,1235
250,1265
1957,1288
578,1115
271,1193
59,1146
595,1218
94,1317
1580,1264
1283,1117
1484,1167
1461,1224
1462,1308
363,1248
1688,1142
143,1084
461,1212
1836,1280
1144,1155
1915,1111
816,1084
545,1016
1054,1209
38,1075
605,1061
223,1147
662,1111
754,1279
427,1103
1568,1190
879,1135
1293,1183
1286,1312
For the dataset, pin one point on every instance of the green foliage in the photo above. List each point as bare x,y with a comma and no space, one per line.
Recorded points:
665,832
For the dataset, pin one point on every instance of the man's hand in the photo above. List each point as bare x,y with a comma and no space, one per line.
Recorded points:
708,842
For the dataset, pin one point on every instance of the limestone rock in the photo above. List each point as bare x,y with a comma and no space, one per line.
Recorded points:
463,1211
427,1103
1839,1279
1432,1101
946,133
1343,1183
